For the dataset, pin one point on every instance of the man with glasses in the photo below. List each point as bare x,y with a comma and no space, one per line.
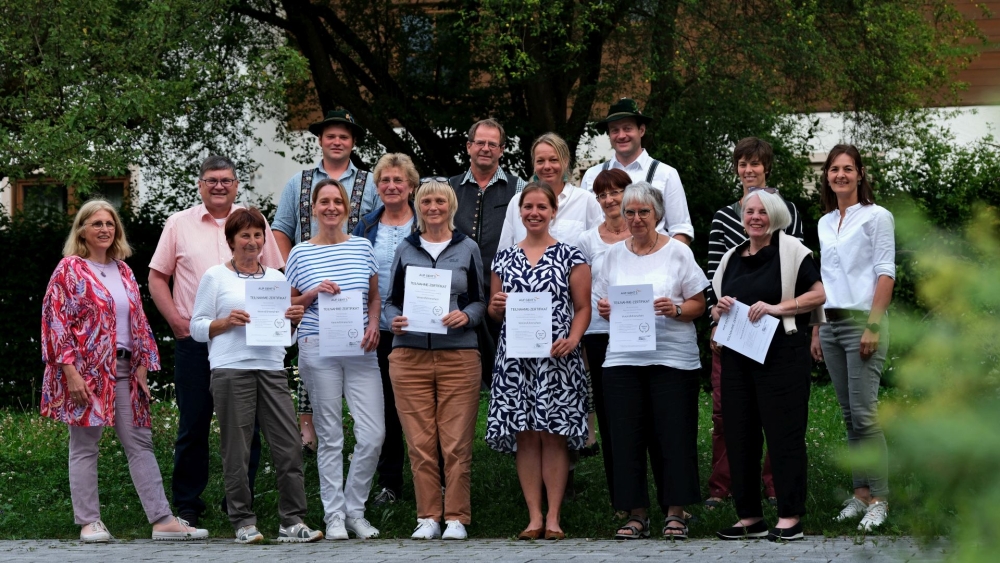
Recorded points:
483,194
193,241
625,126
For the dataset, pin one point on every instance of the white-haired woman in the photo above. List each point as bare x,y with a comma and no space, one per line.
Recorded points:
774,274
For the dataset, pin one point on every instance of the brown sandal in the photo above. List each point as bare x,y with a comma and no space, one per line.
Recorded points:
530,534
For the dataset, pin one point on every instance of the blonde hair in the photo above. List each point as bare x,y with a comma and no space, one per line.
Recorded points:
559,145
435,187
77,246
401,161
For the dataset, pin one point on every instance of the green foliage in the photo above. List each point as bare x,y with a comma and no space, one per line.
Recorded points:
945,435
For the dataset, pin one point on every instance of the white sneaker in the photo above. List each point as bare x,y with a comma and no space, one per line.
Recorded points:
427,529
299,533
95,532
335,530
878,511
455,531
853,508
249,534
361,528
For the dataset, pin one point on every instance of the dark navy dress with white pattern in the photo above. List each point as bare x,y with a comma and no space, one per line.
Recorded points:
546,394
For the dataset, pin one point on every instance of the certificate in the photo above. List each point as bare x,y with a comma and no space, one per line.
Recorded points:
427,299
752,339
341,323
266,303
633,321
529,325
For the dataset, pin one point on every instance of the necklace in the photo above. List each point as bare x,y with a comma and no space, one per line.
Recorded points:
100,267
608,228
385,221
256,274
648,250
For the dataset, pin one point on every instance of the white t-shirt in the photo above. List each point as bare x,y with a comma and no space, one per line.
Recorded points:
594,248
578,211
673,273
112,280
434,248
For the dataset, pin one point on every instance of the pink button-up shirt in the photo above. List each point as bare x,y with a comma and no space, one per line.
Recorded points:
191,243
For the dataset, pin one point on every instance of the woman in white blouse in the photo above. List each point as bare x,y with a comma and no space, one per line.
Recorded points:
578,210
859,270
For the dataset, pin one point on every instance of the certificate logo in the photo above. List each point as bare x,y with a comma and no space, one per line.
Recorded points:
539,334
438,310
353,333
643,327
756,324
279,323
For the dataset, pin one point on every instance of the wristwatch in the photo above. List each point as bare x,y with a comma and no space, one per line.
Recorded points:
678,311
873,327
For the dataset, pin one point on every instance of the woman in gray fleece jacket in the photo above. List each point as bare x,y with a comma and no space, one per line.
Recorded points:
435,377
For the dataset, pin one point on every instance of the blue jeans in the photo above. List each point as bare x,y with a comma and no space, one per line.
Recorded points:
192,378
856,382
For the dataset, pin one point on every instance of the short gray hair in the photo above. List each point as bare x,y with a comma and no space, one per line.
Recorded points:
217,162
645,194
777,211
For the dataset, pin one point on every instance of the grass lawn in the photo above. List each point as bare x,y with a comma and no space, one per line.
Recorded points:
35,500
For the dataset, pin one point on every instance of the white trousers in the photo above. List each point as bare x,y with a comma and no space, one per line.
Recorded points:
328,381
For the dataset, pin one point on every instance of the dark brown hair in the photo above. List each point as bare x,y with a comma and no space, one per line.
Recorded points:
751,147
244,218
612,179
866,195
539,187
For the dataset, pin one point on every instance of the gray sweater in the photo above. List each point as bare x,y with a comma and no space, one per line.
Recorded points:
461,256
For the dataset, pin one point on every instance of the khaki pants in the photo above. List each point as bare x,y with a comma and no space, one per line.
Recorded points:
437,398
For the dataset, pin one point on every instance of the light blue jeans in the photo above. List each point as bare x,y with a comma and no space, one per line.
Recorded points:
856,383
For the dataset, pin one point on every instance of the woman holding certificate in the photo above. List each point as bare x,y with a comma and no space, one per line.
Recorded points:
249,381
540,289
339,273
436,375
859,270
651,384
773,274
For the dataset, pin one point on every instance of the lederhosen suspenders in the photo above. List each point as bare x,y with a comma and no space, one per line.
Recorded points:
305,202
649,175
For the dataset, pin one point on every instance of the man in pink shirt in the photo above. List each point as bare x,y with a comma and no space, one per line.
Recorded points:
193,241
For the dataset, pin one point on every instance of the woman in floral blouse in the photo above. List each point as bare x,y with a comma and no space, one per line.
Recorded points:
97,347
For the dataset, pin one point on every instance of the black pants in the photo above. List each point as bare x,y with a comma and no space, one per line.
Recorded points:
596,346
390,461
773,397
653,409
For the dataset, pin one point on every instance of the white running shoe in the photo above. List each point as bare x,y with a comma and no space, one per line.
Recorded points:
299,533
249,534
878,511
853,508
361,528
427,529
455,531
335,530
95,532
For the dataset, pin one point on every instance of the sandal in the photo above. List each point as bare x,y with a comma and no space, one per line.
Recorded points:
673,532
711,503
635,532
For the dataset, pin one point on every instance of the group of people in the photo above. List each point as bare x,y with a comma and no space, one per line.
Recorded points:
340,229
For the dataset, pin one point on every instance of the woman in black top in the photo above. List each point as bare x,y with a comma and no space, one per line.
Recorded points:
773,396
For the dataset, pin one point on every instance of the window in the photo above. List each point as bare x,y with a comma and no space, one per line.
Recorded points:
45,193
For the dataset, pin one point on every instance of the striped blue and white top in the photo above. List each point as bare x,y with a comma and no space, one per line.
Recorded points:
349,264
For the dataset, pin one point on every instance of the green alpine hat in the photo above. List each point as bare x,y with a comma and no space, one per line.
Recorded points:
623,108
339,115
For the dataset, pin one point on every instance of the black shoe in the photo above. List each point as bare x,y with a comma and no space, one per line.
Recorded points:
591,450
786,534
190,517
755,531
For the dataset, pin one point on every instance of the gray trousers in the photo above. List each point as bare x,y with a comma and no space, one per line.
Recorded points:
84,444
240,396
856,383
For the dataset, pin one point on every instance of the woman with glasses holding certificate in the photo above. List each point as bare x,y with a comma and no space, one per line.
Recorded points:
249,381
538,402
340,272
436,375
651,384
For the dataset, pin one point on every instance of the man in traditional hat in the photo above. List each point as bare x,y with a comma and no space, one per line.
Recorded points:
338,133
625,126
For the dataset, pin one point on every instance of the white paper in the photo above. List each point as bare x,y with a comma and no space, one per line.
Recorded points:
266,303
529,324
633,320
752,339
427,299
341,323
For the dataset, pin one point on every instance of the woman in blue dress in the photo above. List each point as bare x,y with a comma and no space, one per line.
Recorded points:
538,406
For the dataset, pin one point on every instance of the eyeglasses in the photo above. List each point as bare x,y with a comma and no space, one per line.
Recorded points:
483,144
758,189
212,182
610,193
642,213
98,225
429,179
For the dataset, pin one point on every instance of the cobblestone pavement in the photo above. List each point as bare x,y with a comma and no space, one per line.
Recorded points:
812,550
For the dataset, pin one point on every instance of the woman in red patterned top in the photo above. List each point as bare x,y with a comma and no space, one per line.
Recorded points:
97,347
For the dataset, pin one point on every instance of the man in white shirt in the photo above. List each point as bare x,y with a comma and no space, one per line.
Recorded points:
625,126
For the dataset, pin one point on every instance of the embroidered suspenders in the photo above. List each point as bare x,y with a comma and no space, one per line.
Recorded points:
649,175
356,193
